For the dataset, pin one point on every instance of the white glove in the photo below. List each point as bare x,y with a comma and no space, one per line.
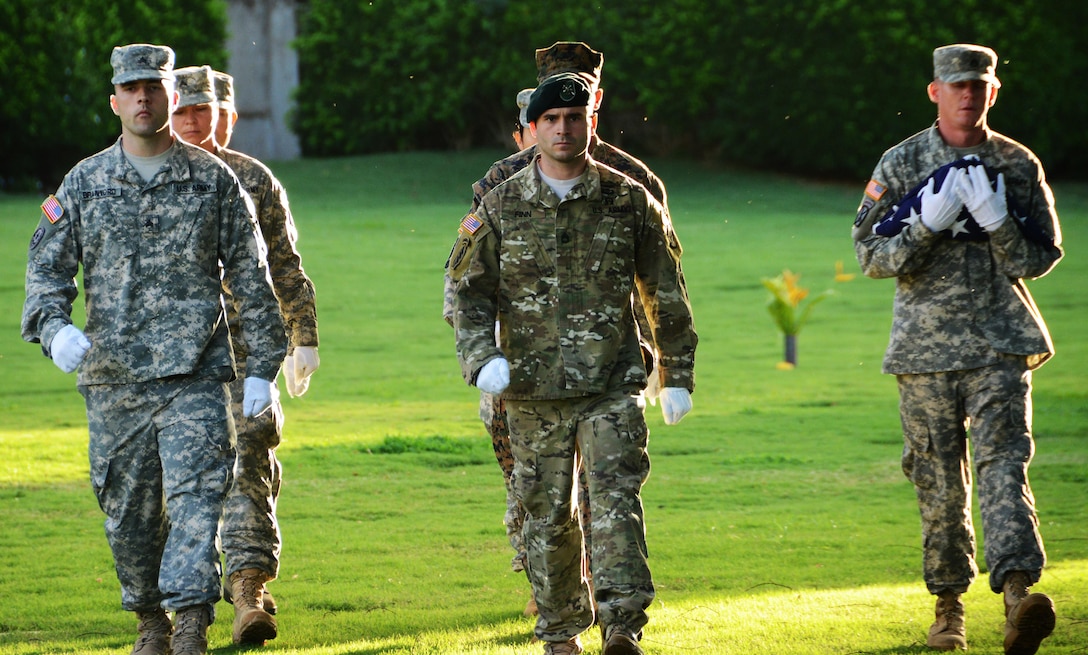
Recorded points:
494,376
68,347
256,397
675,404
298,367
986,204
940,208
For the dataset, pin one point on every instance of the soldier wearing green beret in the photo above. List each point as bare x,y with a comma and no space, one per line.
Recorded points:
250,530
561,57
554,255
158,227
965,338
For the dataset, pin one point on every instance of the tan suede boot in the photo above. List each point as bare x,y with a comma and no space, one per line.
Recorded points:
618,640
269,602
155,630
252,624
191,631
948,632
1029,618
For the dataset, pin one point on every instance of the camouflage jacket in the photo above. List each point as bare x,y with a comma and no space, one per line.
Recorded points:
155,258
959,304
602,153
293,288
558,276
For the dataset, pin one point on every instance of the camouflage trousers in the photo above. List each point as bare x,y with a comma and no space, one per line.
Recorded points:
950,419
493,415
548,438
161,459
250,531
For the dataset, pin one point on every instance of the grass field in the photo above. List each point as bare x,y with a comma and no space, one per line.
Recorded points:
778,519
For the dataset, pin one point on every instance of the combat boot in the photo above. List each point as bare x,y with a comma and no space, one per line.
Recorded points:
618,640
948,631
266,597
191,630
155,630
252,624
1029,618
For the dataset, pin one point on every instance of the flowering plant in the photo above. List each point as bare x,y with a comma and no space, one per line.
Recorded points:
788,312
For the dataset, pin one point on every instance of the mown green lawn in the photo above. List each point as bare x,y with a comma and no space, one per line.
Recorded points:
778,519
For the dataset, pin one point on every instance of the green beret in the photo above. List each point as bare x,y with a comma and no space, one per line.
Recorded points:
562,90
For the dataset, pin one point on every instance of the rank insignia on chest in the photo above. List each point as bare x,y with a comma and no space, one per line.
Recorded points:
52,209
471,224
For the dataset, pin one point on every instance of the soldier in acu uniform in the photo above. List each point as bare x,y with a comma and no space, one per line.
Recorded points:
250,532
960,215
160,228
554,255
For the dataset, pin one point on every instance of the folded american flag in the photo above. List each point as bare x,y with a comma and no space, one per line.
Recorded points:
909,210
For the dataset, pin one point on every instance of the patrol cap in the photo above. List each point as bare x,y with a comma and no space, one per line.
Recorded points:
964,61
141,61
523,105
569,57
194,86
224,88
562,90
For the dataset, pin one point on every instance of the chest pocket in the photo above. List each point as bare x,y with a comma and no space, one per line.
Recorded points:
522,247
599,247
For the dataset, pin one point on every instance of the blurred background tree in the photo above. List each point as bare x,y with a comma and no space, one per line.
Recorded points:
55,74
812,87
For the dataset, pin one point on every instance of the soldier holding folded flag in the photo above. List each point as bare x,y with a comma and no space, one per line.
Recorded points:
960,215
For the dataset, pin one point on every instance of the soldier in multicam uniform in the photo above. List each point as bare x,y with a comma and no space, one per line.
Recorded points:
159,227
560,57
250,532
575,239
965,337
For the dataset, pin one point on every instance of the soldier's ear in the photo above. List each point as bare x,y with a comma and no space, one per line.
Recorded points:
113,104
933,91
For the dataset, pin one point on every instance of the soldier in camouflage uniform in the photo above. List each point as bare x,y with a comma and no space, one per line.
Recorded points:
965,338
159,228
554,255
560,57
228,111
250,532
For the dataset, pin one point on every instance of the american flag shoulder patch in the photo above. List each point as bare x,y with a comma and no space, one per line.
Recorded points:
471,224
875,190
52,209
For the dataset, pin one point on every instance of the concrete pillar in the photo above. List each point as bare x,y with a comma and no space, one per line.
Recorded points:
265,70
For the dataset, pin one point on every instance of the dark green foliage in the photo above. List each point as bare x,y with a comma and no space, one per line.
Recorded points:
55,73
819,87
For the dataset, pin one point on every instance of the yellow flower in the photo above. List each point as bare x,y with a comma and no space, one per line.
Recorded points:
840,274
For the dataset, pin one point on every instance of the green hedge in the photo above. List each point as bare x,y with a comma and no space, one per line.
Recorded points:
55,73
819,87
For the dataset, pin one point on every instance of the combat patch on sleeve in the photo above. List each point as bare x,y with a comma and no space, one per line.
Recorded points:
863,211
39,234
52,209
875,190
468,238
